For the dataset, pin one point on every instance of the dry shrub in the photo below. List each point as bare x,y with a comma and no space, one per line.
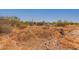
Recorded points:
5,29
22,26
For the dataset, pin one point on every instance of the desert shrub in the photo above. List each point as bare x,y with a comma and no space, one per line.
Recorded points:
14,22
22,26
60,23
63,23
5,29
18,23
26,22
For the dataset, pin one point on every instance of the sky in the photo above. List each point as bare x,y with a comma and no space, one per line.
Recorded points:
47,15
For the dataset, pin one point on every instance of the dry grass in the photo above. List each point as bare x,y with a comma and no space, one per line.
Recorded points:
40,38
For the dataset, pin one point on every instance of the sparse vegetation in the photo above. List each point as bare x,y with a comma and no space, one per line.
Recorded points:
37,35
64,23
5,29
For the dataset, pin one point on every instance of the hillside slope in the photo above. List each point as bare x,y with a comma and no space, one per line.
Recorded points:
40,38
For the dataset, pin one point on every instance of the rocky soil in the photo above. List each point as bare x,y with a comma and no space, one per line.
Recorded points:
41,38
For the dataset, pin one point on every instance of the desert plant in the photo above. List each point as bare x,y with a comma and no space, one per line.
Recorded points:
60,23
5,29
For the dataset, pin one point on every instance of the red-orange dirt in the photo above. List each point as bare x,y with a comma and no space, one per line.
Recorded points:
41,38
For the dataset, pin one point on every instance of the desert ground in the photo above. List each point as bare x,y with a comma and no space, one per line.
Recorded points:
41,38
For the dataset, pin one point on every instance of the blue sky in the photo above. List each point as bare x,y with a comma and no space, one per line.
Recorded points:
43,14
